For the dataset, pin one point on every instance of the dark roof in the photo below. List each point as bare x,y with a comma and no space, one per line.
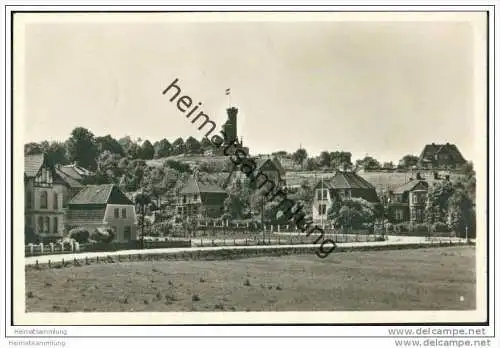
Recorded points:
32,164
430,150
347,180
274,161
409,186
74,171
197,186
72,182
100,194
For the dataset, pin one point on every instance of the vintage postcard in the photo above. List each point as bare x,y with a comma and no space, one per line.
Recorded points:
250,168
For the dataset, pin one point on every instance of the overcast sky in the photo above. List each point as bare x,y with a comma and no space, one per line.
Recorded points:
378,88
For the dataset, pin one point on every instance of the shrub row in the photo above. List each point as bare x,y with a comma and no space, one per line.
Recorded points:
407,229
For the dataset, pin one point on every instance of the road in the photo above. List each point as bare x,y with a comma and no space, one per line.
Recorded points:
80,256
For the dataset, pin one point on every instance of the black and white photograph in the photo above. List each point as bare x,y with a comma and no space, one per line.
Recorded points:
246,168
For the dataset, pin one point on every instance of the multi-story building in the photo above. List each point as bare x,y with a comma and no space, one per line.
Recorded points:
344,185
441,156
43,201
406,203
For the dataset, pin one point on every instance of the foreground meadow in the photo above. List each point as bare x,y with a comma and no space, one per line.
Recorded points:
420,279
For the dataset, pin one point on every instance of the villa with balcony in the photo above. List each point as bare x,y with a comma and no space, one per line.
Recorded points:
407,202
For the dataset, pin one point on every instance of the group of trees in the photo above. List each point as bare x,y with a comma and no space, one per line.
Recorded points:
342,160
84,148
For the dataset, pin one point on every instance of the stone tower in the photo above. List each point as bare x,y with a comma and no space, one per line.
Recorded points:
231,125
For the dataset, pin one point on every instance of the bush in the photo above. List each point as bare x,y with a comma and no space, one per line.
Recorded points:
420,229
440,227
80,234
403,228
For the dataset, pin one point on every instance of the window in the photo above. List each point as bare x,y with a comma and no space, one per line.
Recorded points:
46,224
43,200
55,203
127,233
322,194
322,209
399,215
28,202
117,213
55,225
39,227
124,213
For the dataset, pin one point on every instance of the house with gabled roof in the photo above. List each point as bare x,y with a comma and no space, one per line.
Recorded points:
103,206
200,198
344,185
43,199
441,156
407,202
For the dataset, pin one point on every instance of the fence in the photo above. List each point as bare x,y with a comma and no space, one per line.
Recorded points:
68,248
226,254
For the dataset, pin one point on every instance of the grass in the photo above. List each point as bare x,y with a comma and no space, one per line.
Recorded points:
418,279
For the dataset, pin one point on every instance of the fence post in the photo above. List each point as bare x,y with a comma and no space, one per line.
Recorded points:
41,248
76,246
51,247
278,239
50,264
278,228
271,228
31,248
62,246
201,241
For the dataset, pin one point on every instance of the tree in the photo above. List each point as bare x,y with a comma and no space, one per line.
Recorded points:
163,149
340,159
206,144
324,159
299,156
125,142
178,147
460,210
388,165
408,161
142,200
179,166
108,143
56,153
437,202
192,146
368,163
147,151
82,148
311,164
133,151
32,149
355,213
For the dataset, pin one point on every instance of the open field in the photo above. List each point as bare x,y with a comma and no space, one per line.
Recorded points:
420,279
